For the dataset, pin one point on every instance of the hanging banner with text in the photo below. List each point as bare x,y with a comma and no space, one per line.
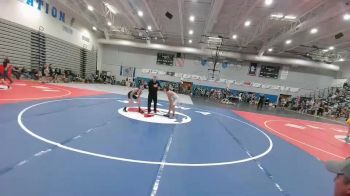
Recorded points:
252,69
284,73
127,71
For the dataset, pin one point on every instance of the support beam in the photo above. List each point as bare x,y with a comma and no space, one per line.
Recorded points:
260,28
267,23
216,7
152,17
129,12
124,12
246,14
342,44
75,7
181,6
106,34
334,25
323,12
232,55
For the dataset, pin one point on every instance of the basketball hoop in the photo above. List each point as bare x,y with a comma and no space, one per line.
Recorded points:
214,44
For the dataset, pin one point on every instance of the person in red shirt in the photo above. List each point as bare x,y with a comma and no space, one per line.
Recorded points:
6,74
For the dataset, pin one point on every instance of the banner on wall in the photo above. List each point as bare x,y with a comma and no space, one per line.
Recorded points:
203,78
195,77
161,72
212,79
204,62
284,73
127,71
170,73
247,83
186,76
178,75
179,62
252,69
145,70
224,65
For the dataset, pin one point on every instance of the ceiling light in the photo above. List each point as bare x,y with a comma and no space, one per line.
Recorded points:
331,48
289,41
325,50
155,38
234,36
140,13
346,16
111,8
192,18
190,41
276,15
268,2
190,32
314,31
247,23
290,17
149,27
109,23
341,59
90,8
270,49
94,28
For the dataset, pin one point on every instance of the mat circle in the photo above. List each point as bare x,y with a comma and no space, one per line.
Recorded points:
28,131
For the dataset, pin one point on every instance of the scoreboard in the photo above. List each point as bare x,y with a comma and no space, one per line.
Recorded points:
268,71
165,59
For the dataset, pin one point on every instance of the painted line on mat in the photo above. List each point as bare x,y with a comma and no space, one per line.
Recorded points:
258,163
336,121
339,130
21,124
38,98
162,166
203,113
294,126
40,87
300,142
43,152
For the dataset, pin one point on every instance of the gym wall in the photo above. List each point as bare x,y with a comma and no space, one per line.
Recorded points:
115,56
344,71
31,48
19,12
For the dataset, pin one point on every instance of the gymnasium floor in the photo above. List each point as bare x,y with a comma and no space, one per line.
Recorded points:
74,140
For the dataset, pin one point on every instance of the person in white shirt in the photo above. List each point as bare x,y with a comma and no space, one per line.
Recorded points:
173,99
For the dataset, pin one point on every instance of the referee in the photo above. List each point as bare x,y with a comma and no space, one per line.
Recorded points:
153,87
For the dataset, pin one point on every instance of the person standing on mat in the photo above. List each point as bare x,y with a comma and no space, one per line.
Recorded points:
348,134
6,74
135,94
261,102
173,99
153,87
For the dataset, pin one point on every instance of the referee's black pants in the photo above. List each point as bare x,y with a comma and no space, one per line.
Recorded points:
150,99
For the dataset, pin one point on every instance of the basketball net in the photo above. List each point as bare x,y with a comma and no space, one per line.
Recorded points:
214,45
